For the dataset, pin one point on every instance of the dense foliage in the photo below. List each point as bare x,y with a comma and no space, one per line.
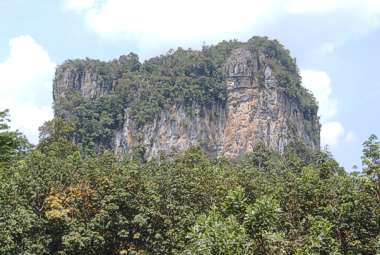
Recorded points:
12,143
53,200
180,77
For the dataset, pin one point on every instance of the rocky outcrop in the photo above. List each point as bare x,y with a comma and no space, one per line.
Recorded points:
85,79
173,131
257,110
261,111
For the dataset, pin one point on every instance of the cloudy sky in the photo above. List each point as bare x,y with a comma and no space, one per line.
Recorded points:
336,44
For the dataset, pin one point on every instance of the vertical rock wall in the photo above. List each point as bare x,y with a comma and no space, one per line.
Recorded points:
257,110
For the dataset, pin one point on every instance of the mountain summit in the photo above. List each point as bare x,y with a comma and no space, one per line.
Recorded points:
225,98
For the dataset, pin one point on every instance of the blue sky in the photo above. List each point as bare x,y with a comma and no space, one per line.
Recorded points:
336,44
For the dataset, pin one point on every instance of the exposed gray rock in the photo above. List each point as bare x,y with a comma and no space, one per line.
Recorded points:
257,110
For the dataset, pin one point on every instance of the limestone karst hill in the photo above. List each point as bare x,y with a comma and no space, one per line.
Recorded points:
225,98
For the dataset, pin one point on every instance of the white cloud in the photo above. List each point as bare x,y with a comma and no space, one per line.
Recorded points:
29,117
319,83
353,7
153,22
24,76
168,20
302,6
350,137
327,48
331,133
27,61
79,4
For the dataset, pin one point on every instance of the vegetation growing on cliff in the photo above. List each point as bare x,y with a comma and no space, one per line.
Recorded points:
54,200
185,77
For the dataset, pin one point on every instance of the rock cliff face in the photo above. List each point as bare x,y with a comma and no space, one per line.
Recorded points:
258,108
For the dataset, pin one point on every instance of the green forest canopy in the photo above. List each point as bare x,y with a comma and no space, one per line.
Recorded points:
55,200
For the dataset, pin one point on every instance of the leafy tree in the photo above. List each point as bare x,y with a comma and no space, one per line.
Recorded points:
12,143
371,161
261,222
57,199
214,235
320,239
